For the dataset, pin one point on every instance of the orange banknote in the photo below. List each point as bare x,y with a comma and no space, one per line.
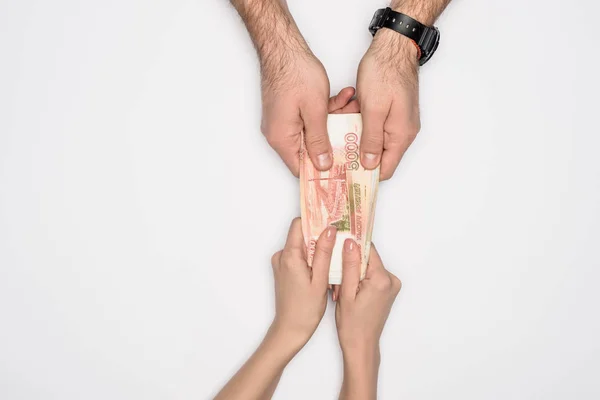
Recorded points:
343,197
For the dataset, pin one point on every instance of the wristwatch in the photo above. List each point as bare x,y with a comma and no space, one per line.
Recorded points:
426,38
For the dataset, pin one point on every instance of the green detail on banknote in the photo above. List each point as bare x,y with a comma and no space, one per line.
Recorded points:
343,225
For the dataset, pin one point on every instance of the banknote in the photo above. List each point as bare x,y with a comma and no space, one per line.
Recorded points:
343,197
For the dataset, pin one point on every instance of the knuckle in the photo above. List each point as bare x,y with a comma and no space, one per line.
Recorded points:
373,140
336,101
324,250
354,260
316,141
264,128
272,139
275,259
286,259
412,132
273,135
382,283
351,265
396,283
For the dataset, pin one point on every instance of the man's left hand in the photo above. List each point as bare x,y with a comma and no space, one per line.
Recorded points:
388,93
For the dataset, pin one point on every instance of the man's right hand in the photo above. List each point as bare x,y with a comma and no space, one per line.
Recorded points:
295,93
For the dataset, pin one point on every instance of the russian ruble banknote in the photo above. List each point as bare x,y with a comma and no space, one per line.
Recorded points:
344,196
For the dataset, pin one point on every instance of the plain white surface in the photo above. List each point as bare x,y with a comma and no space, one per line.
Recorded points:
140,205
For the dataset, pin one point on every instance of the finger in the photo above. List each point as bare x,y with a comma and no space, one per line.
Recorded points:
371,143
350,270
402,131
322,257
275,260
295,239
291,158
390,160
315,133
379,277
375,264
288,149
336,293
396,283
393,153
352,107
338,102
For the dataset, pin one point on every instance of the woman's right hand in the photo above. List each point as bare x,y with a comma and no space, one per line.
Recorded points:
361,312
363,307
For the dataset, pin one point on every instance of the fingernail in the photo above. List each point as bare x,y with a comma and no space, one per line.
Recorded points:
349,245
324,160
331,232
370,159
333,296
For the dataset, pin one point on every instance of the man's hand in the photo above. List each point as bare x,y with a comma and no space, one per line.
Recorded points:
295,87
295,93
361,313
301,291
388,90
388,93
287,113
343,102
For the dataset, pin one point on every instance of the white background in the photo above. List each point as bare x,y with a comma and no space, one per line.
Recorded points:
140,205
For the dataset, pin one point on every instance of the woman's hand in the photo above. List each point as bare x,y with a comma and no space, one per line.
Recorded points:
361,313
301,291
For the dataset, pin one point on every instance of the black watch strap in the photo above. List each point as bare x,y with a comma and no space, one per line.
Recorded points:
426,38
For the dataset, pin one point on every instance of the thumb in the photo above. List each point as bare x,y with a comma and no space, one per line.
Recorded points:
322,258
339,101
295,239
350,270
315,134
375,264
371,143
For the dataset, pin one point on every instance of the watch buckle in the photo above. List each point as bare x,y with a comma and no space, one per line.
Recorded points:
378,20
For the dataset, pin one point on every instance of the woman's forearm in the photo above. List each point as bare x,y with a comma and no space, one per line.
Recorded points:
259,376
361,369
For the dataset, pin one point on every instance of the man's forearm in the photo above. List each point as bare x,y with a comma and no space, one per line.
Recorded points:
271,28
424,11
